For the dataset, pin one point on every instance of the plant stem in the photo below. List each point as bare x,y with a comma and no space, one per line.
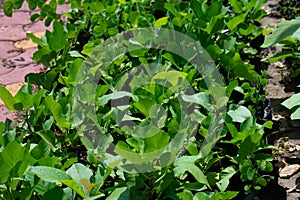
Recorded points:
9,191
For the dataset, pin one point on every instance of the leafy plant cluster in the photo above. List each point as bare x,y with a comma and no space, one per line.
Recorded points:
289,9
47,157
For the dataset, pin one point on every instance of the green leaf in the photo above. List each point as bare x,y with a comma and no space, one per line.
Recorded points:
7,98
239,114
280,56
54,175
35,39
237,6
116,95
230,87
79,172
54,193
284,28
119,193
48,136
201,196
18,3
75,3
78,188
75,54
225,175
201,98
293,101
171,76
50,174
160,22
261,181
296,114
14,161
57,40
186,164
56,110
156,142
8,7
234,22
249,145
32,4
198,9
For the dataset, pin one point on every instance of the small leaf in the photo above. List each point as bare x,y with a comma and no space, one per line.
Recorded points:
35,39
226,174
8,8
7,98
201,98
75,186
119,193
48,136
239,114
162,21
235,21
56,110
75,54
296,114
32,4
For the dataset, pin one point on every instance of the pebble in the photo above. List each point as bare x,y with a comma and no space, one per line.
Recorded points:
289,170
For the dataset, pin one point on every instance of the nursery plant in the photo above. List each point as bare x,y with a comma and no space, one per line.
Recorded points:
122,110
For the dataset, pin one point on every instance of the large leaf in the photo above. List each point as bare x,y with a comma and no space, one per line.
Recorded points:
14,161
293,101
284,29
57,40
54,175
156,142
79,172
50,174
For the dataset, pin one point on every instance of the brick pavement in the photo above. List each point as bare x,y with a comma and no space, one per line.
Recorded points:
16,50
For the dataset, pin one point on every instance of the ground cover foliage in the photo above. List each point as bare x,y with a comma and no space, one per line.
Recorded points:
46,157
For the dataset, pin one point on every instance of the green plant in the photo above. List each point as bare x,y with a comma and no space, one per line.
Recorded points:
66,157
